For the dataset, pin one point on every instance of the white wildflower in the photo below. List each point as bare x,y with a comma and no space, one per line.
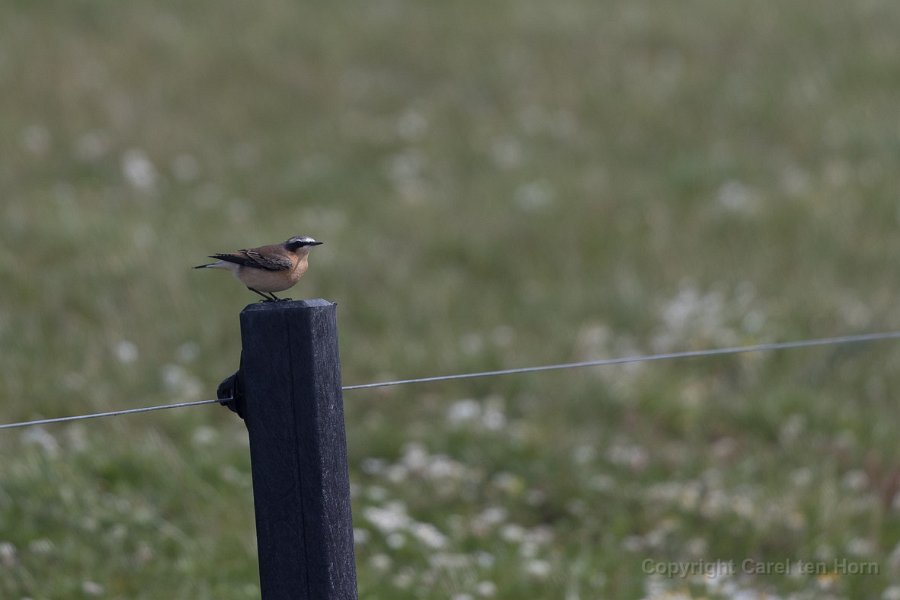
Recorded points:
126,352
138,170
537,568
429,535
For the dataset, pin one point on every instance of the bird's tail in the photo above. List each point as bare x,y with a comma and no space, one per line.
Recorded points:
211,265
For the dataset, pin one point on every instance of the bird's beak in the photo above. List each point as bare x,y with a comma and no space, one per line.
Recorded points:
316,243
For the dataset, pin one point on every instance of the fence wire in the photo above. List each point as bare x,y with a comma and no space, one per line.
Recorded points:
765,347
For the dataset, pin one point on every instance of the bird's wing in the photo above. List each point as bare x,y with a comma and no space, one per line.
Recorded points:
268,260
257,259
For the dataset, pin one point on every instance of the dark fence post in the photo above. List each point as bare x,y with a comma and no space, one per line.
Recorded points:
290,382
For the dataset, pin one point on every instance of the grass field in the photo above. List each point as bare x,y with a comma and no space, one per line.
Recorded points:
498,184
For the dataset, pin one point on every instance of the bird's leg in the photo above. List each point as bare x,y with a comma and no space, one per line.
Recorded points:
266,298
273,296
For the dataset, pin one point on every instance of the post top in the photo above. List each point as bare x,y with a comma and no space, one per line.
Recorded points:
287,305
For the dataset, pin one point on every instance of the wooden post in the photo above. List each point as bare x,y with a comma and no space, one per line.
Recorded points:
290,383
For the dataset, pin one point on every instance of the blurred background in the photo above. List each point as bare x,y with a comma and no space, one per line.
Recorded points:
498,185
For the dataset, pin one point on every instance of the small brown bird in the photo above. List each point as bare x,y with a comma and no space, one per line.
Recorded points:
268,269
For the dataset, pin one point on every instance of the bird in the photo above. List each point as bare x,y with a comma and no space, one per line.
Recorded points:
268,269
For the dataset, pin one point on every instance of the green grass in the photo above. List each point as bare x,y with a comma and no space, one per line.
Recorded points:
498,184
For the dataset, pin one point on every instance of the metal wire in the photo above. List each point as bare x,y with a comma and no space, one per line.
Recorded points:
768,347
831,341
111,413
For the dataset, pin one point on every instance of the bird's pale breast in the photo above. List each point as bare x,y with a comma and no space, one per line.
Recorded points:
272,281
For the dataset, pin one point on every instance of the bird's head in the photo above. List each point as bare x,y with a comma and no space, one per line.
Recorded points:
300,243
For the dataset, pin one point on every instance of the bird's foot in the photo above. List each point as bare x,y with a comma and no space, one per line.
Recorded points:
267,296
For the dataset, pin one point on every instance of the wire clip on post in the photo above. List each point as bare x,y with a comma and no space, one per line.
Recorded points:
288,391
231,394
